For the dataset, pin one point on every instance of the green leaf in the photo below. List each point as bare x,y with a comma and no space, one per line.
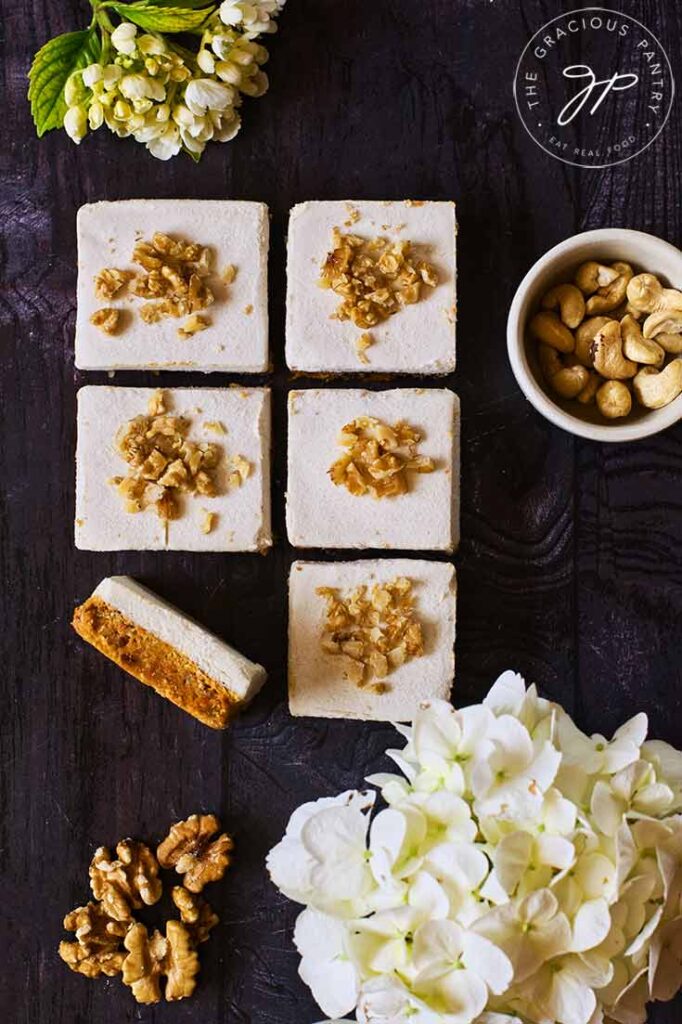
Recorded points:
51,67
185,5
157,17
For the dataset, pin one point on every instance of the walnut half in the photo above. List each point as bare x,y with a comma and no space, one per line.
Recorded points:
125,884
152,957
97,949
190,848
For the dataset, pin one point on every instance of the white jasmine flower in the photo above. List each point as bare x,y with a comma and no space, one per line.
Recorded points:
76,123
123,38
325,965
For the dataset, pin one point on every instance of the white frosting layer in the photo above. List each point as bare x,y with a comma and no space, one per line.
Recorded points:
418,339
317,686
213,656
243,513
320,514
237,233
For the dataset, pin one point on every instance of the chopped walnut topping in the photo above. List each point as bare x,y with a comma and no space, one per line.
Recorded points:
216,426
240,470
157,403
173,274
106,319
376,630
193,325
353,216
110,281
190,848
125,884
208,520
97,949
195,913
375,278
151,957
378,458
362,344
228,274
248,309
164,463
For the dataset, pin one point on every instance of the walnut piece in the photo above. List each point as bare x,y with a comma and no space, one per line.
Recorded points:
106,319
373,277
173,274
152,957
376,630
364,342
125,884
190,848
97,949
110,281
208,520
193,325
378,458
163,463
195,913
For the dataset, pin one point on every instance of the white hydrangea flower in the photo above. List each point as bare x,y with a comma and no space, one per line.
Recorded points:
522,871
323,859
325,966
459,969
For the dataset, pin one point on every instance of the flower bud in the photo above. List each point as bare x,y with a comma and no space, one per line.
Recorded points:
123,38
95,115
74,90
92,74
76,123
228,72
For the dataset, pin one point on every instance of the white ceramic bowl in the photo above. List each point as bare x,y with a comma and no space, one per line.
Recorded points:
645,253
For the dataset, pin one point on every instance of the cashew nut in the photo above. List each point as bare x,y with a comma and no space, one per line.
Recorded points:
594,382
548,328
567,381
607,353
611,295
656,388
647,294
590,276
568,300
614,399
636,346
667,321
670,342
584,336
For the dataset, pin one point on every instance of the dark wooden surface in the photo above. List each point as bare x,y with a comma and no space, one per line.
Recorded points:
570,568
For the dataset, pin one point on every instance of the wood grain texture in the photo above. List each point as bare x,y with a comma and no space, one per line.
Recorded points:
570,567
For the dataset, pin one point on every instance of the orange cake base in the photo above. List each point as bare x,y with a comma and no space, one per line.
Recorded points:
155,663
